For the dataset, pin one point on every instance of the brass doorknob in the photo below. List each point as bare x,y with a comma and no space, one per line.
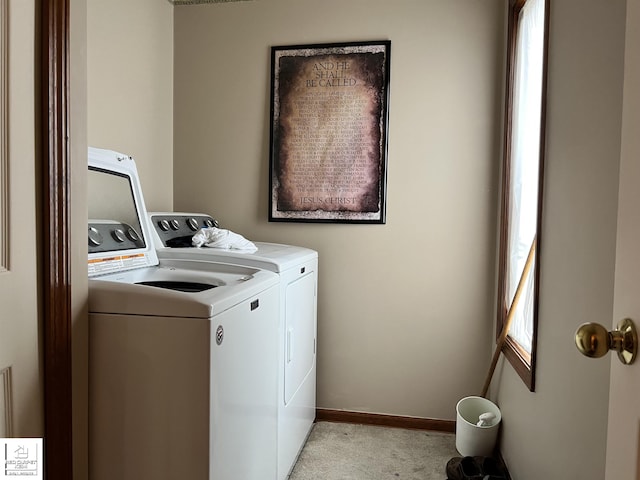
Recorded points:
593,340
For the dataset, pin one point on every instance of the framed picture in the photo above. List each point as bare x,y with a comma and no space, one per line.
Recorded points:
328,152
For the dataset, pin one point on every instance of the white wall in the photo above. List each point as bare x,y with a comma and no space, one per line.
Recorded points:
78,209
130,88
405,310
559,432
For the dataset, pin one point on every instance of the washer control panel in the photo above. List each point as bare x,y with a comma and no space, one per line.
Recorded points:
173,227
109,236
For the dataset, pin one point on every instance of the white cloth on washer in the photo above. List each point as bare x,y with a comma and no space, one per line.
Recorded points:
219,238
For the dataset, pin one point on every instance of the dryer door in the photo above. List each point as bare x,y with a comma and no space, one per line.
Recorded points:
300,333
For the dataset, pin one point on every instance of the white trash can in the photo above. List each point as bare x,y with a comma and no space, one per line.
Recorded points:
472,440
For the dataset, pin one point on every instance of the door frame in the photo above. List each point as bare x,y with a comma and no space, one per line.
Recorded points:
55,223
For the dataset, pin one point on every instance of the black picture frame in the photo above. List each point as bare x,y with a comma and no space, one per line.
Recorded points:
329,132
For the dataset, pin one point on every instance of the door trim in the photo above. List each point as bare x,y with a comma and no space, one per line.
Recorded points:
4,137
55,221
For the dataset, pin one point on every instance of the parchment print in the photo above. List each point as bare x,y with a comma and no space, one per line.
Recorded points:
328,137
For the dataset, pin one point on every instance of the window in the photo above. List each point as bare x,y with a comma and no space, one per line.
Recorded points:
522,180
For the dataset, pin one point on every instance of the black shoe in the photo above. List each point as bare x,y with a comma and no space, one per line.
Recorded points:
492,467
463,468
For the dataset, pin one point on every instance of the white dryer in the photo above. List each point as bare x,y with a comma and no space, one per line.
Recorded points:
182,354
298,271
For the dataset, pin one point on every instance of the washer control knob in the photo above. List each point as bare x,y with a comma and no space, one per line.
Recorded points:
164,225
193,224
95,238
175,225
133,235
118,235
210,222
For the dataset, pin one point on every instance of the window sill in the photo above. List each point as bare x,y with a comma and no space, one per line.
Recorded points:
521,361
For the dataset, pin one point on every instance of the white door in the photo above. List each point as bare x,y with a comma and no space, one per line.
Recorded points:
21,410
623,439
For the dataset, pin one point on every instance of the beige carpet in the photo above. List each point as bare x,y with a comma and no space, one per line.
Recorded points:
339,451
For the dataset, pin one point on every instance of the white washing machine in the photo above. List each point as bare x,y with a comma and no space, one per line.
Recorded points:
182,354
298,271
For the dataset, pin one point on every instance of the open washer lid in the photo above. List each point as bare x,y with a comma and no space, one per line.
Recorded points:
119,237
